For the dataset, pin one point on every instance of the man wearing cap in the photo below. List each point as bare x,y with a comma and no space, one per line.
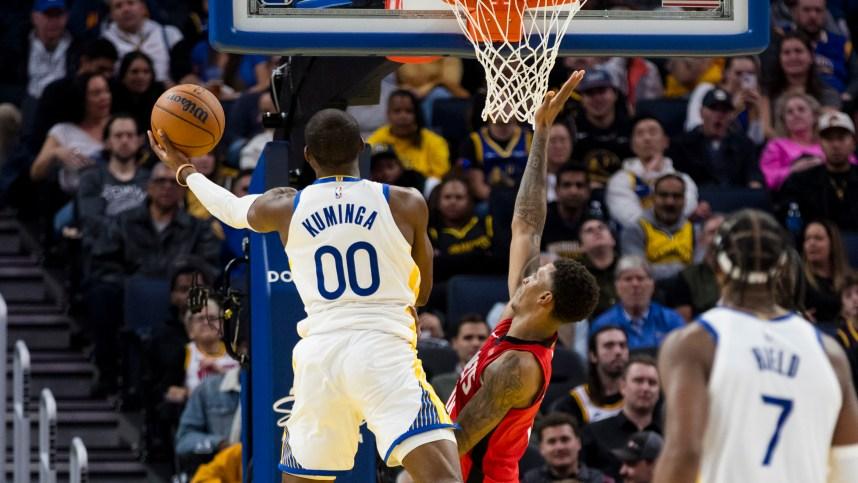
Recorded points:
712,153
830,190
639,456
602,136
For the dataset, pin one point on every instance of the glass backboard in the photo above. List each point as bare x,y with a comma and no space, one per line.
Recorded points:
428,27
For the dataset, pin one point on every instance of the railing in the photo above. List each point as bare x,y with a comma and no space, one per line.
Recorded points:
4,327
47,437
78,462
20,403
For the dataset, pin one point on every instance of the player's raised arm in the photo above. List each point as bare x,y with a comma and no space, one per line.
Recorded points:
528,218
684,363
264,213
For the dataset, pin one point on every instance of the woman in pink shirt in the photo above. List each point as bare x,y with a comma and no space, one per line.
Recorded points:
797,146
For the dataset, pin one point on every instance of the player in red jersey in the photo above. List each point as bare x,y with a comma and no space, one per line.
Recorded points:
499,391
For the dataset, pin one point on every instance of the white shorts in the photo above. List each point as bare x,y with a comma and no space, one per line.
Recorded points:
343,379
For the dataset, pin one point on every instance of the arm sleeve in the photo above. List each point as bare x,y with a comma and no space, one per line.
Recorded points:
622,201
222,204
772,164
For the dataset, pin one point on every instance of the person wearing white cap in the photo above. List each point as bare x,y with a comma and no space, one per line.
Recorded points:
830,190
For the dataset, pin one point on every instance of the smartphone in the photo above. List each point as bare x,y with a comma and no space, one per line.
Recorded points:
749,81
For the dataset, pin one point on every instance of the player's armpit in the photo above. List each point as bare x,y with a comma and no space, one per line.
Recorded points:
846,429
512,381
684,365
272,211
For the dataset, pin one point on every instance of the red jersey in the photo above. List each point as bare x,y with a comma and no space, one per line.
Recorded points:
495,458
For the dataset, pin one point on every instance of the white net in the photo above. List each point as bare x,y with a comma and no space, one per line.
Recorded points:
516,41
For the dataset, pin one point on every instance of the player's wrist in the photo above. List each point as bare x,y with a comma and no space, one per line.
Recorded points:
182,173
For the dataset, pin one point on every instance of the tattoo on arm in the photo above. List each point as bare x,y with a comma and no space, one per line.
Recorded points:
503,389
530,203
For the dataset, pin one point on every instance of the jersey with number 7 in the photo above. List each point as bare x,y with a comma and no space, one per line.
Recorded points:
774,399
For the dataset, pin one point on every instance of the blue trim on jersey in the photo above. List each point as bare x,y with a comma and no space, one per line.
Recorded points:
385,188
295,201
709,328
780,318
819,338
302,472
337,179
415,432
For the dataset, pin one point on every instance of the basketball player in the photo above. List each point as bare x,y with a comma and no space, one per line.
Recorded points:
361,260
756,393
499,391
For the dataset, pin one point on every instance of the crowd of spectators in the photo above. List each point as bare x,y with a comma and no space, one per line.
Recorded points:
638,165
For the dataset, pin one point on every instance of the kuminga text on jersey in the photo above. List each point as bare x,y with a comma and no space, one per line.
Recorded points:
339,214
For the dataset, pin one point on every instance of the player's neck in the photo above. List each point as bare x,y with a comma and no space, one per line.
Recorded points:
755,299
526,327
353,171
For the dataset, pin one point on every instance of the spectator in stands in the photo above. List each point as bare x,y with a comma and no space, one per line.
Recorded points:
640,389
639,78
602,127
252,149
142,241
430,81
462,239
828,189
599,398
559,153
741,81
645,322
831,50
205,354
430,331
560,444
471,332
209,166
639,457
224,468
663,235
572,207
797,147
629,191
825,266
845,329
598,247
684,74
106,190
211,420
495,156
135,89
164,365
714,155
417,147
130,29
97,57
695,289
795,72
10,130
385,167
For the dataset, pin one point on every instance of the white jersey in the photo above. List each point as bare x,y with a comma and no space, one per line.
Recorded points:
774,400
351,264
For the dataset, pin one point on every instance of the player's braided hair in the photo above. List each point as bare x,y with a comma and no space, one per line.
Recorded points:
575,291
751,249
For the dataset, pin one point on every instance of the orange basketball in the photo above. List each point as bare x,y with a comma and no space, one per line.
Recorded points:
191,116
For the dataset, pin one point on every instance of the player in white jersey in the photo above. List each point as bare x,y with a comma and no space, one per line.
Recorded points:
754,392
361,260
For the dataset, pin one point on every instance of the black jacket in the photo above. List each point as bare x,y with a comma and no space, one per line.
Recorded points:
815,191
739,166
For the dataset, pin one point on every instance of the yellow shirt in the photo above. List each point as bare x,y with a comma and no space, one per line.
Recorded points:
431,158
224,468
663,247
711,75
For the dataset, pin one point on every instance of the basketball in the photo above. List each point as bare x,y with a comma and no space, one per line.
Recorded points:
191,116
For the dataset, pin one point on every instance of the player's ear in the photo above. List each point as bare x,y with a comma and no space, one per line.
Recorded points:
546,299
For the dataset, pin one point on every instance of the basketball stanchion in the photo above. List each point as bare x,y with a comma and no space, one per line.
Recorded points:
20,405
4,327
78,462
47,437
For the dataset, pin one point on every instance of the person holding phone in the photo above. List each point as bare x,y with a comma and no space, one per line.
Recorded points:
740,80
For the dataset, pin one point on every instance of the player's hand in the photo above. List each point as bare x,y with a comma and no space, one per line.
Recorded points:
555,101
165,150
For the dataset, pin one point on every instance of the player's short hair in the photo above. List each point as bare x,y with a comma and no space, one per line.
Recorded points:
333,138
554,419
575,291
640,358
751,248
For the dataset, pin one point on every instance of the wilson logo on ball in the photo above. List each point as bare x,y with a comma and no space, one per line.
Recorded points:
190,107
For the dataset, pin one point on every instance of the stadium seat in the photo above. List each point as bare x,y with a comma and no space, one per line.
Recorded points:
147,304
850,242
474,294
670,112
437,360
450,120
728,200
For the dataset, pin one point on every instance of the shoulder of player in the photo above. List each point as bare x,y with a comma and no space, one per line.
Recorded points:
516,375
836,355
407,201
690,344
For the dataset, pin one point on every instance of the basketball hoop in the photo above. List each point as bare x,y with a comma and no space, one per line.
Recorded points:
516,41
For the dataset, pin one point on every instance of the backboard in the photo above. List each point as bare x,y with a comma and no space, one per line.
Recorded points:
428,27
